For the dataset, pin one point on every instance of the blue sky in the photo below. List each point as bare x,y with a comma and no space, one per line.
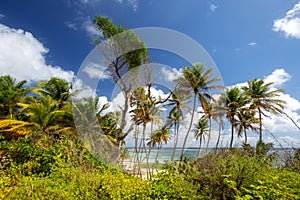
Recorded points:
246,39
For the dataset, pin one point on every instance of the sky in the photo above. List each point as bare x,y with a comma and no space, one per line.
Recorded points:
245,39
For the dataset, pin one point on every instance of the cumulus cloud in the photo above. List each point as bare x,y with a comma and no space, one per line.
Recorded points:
95,70
290,24
171,73
90,28
23,56
281,123
278,77
213,7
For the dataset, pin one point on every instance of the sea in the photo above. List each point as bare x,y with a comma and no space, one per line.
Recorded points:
192,153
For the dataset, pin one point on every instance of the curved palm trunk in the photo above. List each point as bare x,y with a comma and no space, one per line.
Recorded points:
232,133
245,135
148,168
208,140
260,125
156,157
189,129
199,149
219,135
176,128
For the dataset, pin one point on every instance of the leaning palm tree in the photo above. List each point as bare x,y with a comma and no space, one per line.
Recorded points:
201,129
246,120
200,80
264,99
175,116
159,137
233,99
219,111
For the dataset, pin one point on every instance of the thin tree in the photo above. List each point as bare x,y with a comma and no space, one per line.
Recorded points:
200,81
233,99
264,99
201,129
246,120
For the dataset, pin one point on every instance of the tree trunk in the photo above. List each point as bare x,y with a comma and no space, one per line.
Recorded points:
199,149
245,135
260,125
189,129
208,139
176,126
219,135
232,133
156,157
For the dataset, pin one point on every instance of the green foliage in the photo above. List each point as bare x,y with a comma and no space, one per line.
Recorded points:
169,185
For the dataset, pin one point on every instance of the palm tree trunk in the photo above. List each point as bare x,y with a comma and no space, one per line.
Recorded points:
260,125
156,157
189,129
175,140
232,133
219,135
208,139
199,149
245,134
148,168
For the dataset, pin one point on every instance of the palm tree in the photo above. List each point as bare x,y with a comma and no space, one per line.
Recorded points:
201,128
218,113
58,89
264,99
43,117
233,99
246,120
159,137
176,102
11,93
200,81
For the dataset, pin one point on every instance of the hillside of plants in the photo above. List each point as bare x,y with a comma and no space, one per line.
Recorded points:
55,144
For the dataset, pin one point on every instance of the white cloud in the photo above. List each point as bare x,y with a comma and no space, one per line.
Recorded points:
23,56
2,15
278,77
72,25
90,28
171,73
280,123
213,7
95,70
132,3
252,44
290,24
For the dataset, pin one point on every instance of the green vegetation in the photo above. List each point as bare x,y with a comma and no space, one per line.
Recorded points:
53,148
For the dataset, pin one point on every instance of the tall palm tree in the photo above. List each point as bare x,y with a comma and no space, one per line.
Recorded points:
233,99
246,120
201,129
219,111
264,99
11,93
175,116
200,80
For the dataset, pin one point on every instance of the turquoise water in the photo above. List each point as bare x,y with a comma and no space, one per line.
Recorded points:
191,153
165,154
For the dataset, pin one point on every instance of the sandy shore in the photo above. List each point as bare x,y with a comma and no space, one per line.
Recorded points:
128,166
